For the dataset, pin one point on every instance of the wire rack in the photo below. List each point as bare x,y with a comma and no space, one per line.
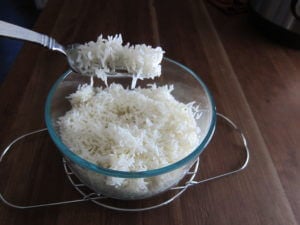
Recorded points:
87,195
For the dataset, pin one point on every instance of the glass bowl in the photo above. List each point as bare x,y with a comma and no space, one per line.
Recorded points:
188,87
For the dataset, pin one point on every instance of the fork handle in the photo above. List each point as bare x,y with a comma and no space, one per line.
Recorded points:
17,32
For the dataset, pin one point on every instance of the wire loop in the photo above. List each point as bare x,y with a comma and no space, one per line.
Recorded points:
96,198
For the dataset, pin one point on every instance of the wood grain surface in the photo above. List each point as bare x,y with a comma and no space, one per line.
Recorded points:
254,81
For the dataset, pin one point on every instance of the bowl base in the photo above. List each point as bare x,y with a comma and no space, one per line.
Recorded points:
132,205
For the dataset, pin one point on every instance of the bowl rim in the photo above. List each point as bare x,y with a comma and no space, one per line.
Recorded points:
126,174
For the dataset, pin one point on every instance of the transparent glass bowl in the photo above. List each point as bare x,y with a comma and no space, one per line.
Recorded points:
188,87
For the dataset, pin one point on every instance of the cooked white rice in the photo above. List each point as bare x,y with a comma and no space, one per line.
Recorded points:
135,129
106,56
129,130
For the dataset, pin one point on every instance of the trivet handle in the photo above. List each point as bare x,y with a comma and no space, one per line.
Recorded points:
243,166
93,196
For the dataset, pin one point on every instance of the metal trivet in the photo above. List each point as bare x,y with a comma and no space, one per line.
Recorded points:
89,195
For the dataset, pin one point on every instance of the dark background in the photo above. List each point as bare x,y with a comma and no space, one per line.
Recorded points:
20,12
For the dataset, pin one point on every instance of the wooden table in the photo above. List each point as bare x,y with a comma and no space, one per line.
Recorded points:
254,81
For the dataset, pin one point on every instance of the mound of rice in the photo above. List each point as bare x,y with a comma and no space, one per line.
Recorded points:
129,130
106,56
